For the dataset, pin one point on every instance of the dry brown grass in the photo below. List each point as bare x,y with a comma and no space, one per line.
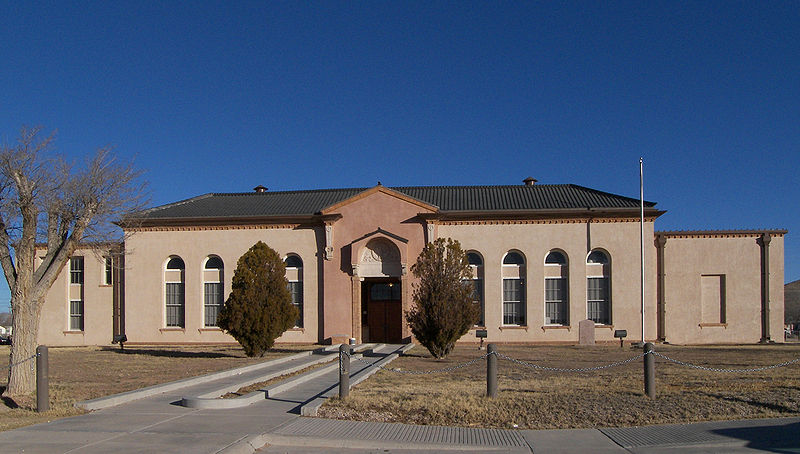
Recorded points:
612,397
83,373
263,384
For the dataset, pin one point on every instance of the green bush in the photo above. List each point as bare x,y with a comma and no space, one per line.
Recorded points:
443,310
259,308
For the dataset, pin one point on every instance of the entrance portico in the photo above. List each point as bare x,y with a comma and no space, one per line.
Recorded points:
380,296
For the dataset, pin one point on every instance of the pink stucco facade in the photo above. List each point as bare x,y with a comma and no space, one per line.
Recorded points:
700,287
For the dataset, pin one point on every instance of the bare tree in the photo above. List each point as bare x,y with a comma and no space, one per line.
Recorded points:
43,199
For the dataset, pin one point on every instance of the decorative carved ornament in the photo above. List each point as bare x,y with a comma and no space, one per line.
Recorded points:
380,251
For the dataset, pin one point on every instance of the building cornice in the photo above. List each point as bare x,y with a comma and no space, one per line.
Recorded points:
719,233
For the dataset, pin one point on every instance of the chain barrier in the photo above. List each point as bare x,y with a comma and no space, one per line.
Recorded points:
713,369
561,369
566,369
11,366
424,372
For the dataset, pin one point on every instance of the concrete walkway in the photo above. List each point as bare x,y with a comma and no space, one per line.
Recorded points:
159,424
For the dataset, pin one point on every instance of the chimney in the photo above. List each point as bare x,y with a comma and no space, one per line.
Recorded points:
530,181
260,188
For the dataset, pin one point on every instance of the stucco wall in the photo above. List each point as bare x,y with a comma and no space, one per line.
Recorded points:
575,239
98,302
360,218
738,259
149,251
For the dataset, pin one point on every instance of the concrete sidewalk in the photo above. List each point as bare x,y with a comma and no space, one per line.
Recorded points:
159,424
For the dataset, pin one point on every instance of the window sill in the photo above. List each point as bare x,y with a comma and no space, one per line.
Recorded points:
513,327
713,325
105,285
209,328
172,329
73,331
296,329
600,325
547,327
477,327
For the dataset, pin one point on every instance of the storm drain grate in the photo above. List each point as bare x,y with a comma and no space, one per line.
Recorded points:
361,430
746,431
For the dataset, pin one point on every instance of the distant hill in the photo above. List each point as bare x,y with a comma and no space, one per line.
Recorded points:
791,302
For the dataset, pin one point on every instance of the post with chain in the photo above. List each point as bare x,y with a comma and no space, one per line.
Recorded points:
42,385
491,371
649,371
344,371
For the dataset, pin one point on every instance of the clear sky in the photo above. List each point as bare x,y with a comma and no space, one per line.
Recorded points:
224,96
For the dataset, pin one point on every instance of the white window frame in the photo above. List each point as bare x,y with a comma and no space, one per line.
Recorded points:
79,316
299,282
183,283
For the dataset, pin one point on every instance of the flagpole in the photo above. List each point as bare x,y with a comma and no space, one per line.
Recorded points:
641,235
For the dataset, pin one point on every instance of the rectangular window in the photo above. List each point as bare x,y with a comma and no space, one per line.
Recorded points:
513,302
599,307
296,289
107,271
555,301
212,302
175,304
76,270
477,299
76,315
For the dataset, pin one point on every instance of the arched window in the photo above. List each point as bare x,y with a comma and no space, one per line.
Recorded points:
513,289
174,276
597,257
555,258
598,287
556,303
294,274
476,266
213,293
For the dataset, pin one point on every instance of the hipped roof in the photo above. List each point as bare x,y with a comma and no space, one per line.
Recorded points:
447,199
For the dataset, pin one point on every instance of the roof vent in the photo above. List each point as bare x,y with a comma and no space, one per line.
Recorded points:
530,181
260,188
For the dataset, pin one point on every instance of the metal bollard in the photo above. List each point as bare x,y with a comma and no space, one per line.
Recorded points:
491,371
42,385
649,371
344,371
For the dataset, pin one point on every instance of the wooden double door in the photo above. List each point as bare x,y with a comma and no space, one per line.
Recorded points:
382,310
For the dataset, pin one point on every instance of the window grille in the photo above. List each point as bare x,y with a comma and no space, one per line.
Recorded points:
556,300
598,303
513,302
107,271
212,302
76,270
175,304
76,315
296,289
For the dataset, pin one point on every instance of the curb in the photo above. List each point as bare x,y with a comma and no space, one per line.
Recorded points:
128,396
311,408
345,444
211,400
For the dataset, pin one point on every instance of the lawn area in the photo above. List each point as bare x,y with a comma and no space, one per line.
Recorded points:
82,373
535,399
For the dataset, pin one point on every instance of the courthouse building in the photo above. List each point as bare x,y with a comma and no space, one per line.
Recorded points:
543,258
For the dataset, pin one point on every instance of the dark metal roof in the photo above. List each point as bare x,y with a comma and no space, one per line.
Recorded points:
446,198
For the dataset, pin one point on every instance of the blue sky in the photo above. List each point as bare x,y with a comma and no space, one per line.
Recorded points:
223,96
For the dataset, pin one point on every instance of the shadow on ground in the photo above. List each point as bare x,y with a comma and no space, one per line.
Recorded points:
168,353
7,402
777,438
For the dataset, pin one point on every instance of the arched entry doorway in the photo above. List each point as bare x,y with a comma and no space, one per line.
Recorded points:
382,307
380,268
